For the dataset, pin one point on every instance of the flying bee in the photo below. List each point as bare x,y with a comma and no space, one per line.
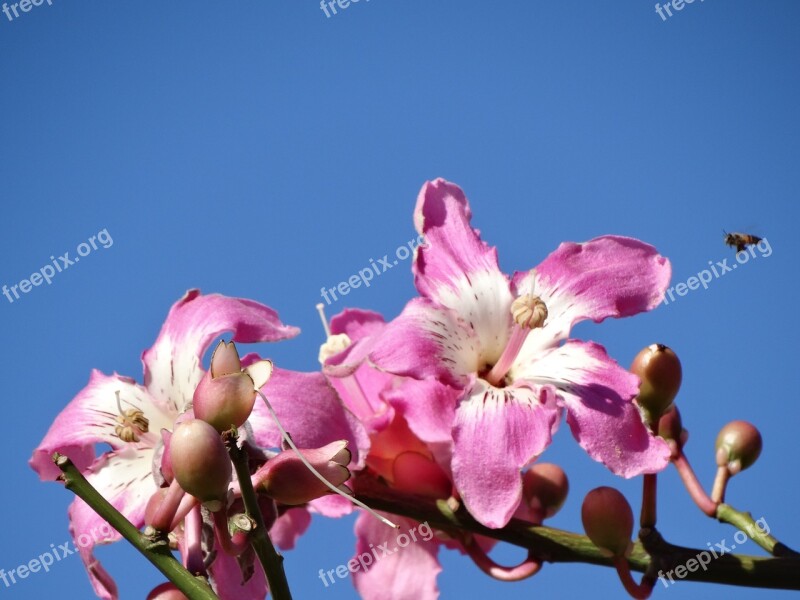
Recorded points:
740,240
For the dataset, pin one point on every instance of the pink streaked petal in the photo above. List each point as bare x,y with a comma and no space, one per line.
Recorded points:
172,367
90,418
496,433
598,395
102,583
288,528
426,341
428,406
609,276
311,412
408,573
332,506
457,270
229,581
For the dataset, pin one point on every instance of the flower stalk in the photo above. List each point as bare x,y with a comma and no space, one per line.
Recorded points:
158,554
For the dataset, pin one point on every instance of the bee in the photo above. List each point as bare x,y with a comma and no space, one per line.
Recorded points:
740,240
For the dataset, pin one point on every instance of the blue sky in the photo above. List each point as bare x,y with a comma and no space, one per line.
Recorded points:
264,150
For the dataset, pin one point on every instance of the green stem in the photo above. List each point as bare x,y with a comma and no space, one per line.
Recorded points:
270,559
743,521
555,545
158,554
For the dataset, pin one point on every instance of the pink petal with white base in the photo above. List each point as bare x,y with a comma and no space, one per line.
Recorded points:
362,328
90,418
456,269
609,276
408,573
598,395
496,433
172,367
426,341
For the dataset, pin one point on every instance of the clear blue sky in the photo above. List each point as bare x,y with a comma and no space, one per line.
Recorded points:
260,149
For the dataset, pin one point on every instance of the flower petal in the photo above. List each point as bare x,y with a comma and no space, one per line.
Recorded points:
362,328
311,412
426,341
172,367
598,395
496,433
428,406
288,528
228,579
399,573
90,418
609,276
457,270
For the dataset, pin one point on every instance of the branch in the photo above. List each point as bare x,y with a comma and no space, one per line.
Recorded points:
271,561
558,546
157,553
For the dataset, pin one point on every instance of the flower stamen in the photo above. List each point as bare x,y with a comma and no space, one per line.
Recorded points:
529,313
131,423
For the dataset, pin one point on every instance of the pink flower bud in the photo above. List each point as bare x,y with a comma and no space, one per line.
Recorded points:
608,520
738,446
545,488
225,396
200,461
166,591
286,479
660,372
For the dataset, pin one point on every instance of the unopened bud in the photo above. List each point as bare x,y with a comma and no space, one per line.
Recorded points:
200,461
659,370
545,488
226,394
166,591
738,446
608,520
287,480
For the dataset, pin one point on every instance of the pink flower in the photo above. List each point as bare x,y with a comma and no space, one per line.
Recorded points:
509,376
132,424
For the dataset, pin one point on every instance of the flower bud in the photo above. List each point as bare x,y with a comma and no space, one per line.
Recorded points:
545,487
608,520
200,461
659,370
738,446
226,394
166,591
286,479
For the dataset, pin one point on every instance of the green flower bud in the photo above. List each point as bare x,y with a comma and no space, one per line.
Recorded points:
738,446
608,520
659,370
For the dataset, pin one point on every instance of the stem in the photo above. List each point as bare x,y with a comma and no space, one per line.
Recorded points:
555,545
158,554
527,568
720,484
165,514
647,520
635,590
271,561
693,486
744,522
